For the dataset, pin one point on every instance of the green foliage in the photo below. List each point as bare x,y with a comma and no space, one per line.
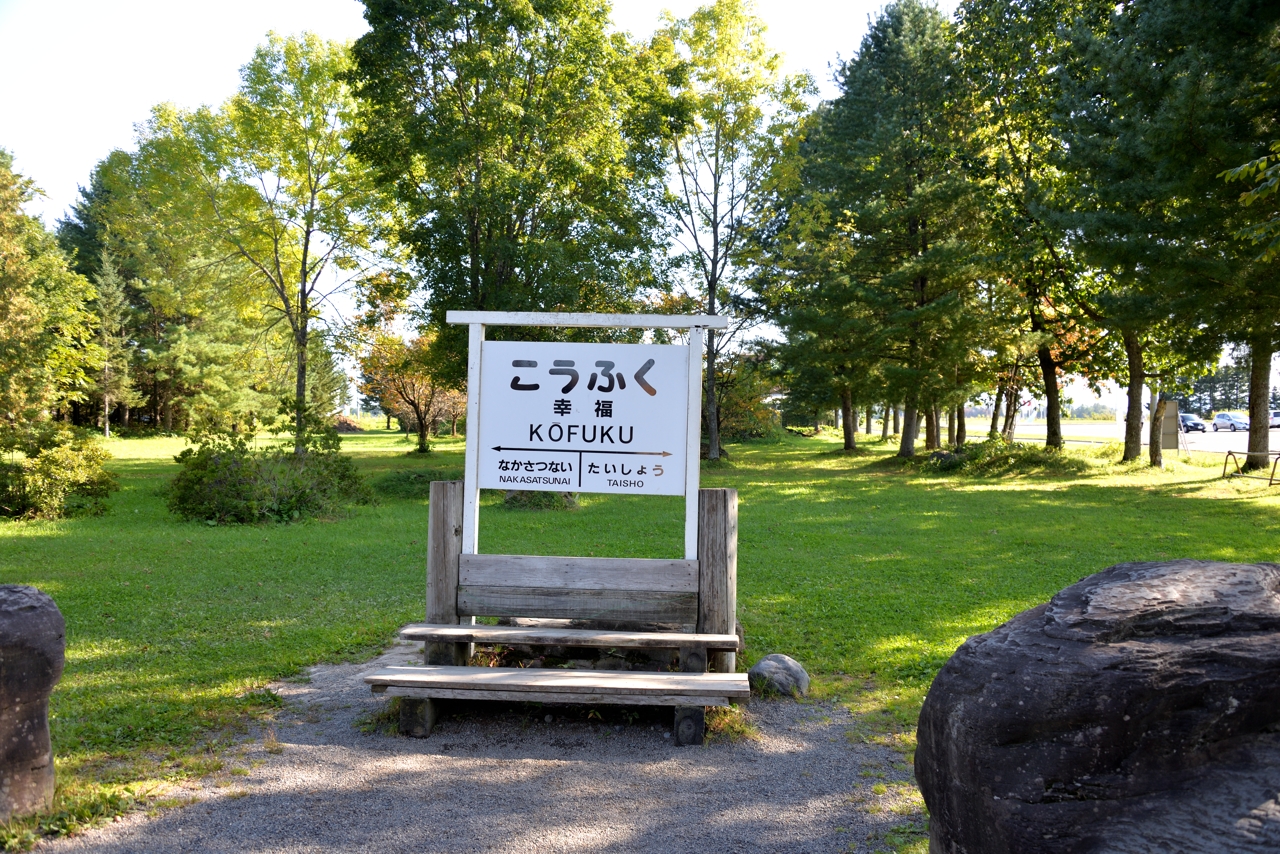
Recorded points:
996,457
412,483
269,179
522,142
746,380
47,352
879,285
1264,172
64,479
225,481
536,499
737,110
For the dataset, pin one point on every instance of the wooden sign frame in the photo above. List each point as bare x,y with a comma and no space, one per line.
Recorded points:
478,320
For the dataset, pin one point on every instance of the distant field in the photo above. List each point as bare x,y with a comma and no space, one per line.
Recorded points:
869,574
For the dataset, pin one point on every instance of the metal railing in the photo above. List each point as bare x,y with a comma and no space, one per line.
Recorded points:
1232,457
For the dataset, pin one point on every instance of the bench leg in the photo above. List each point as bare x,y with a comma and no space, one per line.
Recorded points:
693,659
690,726
418,717
448,654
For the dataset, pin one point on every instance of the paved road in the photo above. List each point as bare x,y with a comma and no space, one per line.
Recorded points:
1110,431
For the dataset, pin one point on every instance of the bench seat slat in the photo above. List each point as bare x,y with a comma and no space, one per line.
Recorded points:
642,606
569,685
551,697
536,636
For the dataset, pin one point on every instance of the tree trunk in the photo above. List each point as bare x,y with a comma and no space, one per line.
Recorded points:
870,413
1053,399
453,427
849,420
897,420
423,428
930,428
951,426
907,445
961,432
712,410
995,409
125,414
1133,415
1010,410
1156,427
388,414
1260,351
884,423
300,385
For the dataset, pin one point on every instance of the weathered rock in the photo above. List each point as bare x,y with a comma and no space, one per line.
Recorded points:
779,674
32,640
1138,711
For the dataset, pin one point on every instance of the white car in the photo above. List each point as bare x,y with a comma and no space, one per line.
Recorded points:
1229,421
1275,418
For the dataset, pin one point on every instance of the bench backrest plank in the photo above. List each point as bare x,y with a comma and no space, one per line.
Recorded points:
660,591
579,573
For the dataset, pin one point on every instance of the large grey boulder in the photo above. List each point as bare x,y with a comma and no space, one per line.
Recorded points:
1138,711
779,674
32,640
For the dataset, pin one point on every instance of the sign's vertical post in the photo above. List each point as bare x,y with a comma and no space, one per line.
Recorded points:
693,445
471,468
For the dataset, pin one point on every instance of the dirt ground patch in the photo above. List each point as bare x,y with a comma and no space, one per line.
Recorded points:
503,778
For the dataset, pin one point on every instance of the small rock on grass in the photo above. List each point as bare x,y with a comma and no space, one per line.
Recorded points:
779,674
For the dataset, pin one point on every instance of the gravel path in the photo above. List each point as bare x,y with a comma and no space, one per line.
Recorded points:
499,778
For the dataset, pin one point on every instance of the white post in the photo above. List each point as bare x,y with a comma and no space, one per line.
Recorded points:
471,468
693,445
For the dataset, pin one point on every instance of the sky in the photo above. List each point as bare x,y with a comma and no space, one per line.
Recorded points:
80,74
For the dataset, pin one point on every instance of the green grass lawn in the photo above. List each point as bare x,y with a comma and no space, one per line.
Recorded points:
869,573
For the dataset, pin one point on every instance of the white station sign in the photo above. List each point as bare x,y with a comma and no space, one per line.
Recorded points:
584,417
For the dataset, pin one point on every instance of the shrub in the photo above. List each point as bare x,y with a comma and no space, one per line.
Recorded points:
534,499
223,480
65,479
995,457
413,483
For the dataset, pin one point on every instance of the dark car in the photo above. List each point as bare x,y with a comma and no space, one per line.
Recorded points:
1229,421
1191,424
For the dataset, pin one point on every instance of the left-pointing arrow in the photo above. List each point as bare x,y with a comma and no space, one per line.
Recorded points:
588,451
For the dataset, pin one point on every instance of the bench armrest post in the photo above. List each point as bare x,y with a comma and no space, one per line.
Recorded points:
718,569
444,545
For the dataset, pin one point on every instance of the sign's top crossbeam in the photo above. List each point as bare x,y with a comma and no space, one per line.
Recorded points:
573,318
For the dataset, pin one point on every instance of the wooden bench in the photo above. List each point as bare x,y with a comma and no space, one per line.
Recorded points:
693,601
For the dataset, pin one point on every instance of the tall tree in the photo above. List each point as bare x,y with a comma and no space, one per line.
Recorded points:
115,382
409,377
889,168
522,142
1156,107
1010,57
739,104
200,350
47,351
277,184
